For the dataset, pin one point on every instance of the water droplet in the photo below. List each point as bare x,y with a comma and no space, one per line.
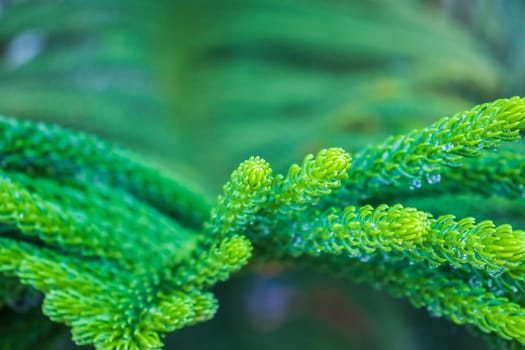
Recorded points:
415,184
433,265
474,282
460,255
435,310
447,146
23,48
364,257
298,242
433,178
495,271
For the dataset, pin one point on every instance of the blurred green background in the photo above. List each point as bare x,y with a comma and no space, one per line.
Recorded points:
201,85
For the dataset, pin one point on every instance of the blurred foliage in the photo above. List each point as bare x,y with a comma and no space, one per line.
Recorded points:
201,85
228,79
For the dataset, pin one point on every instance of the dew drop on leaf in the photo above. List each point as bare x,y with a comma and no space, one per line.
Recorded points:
415,184
495,272
474,282
433,178
447,146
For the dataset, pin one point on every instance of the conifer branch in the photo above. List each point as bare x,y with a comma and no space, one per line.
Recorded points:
441,293
305,185
406,161
47,150
214,264
501,174
242,197
78,225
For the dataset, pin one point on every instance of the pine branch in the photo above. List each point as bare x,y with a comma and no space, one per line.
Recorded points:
442,294
47,150
407,161
500,174
83,223
432,261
